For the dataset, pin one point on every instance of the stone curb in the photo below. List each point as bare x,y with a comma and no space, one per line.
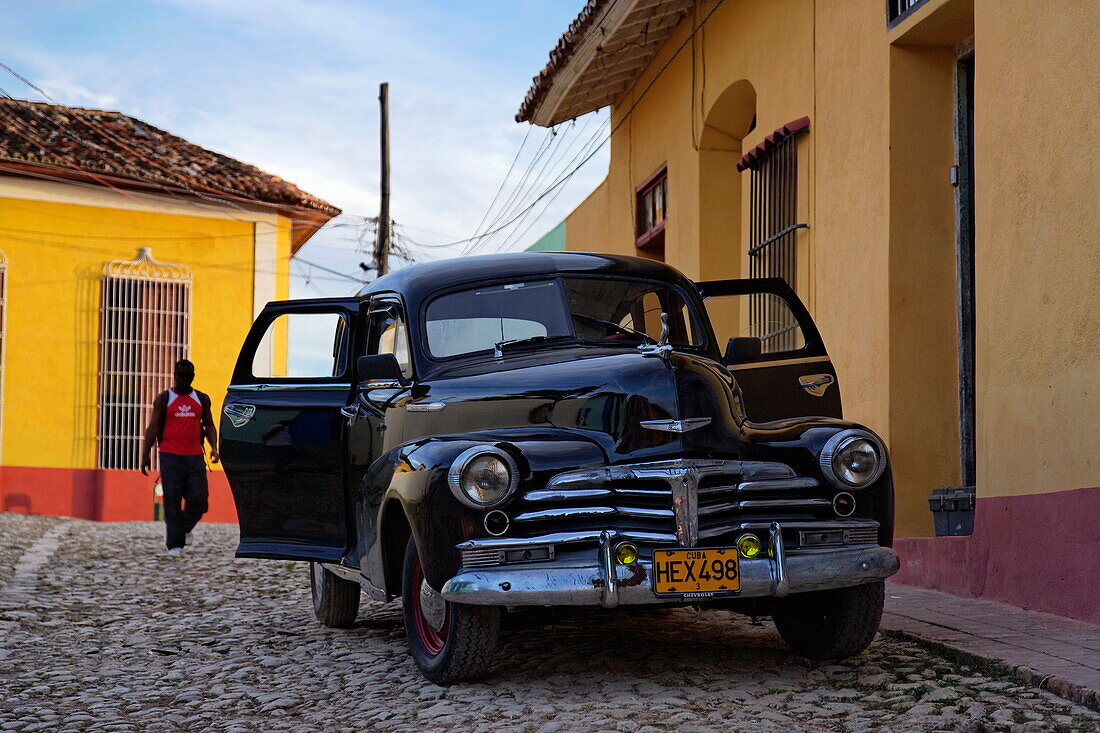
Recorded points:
1051,683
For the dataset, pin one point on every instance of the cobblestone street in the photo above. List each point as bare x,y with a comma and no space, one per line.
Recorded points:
109,634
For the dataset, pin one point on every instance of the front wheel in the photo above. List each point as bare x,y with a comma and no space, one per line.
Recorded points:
450,642
831,624
335,600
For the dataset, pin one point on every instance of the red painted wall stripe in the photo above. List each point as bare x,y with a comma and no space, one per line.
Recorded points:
1038,551
108,496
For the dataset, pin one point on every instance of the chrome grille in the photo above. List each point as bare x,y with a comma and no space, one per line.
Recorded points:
861,536
482,558
681,501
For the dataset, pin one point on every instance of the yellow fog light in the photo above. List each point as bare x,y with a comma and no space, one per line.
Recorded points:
748,545
626,553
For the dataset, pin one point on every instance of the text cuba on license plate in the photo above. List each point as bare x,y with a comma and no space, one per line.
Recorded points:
696,571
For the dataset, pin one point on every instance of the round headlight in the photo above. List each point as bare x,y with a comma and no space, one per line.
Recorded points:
853,459
483,477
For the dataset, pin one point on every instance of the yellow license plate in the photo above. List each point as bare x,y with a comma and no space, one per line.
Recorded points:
696,572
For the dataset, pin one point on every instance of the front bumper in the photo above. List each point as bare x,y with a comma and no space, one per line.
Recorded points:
580,581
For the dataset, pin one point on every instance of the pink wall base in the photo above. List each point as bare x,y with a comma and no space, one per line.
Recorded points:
1039,551
108,496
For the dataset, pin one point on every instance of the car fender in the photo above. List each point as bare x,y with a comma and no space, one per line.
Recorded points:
416,481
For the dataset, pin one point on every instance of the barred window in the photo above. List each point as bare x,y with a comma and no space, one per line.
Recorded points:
651,210
773,227
145,328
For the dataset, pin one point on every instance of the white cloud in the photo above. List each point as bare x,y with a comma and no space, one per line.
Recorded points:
292,88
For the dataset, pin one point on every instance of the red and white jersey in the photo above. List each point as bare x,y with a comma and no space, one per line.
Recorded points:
182,425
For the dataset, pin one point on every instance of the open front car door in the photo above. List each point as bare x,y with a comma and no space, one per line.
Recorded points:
773,348
283,437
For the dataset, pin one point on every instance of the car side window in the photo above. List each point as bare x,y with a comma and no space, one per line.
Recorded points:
388,334
762,316
302,346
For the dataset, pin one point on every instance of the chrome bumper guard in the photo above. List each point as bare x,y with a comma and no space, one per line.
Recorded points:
601,581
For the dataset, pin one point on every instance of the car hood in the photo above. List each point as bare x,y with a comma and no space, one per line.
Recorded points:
611,397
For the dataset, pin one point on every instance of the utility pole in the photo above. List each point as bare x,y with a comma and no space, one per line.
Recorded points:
382,241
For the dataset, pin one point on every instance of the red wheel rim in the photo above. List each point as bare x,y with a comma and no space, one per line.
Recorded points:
431,639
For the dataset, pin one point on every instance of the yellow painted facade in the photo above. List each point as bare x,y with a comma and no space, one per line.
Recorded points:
57,238
877,263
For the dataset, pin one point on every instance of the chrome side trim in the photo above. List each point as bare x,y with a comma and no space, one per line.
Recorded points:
824,525
587,511
594,511
283,387
782,503
676,426
671,469
764,504
564,538
552,495
425,406
778,485
778,362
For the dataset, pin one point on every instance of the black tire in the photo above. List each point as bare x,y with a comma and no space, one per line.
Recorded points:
462,646
831,624
335,600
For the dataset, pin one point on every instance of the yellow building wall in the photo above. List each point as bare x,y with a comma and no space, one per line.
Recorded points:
56,254
1038,247
877,266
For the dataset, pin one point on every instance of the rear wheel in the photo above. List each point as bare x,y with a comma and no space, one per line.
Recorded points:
335,600
831,624
450,642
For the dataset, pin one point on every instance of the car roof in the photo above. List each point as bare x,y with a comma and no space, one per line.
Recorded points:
419,281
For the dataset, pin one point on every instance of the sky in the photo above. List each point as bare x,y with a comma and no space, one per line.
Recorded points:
292,87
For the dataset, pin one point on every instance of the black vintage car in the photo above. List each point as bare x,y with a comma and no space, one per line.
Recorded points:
490,434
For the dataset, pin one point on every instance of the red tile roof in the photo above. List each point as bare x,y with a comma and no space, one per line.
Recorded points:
118,148
560,56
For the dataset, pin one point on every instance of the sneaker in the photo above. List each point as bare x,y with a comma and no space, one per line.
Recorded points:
175,551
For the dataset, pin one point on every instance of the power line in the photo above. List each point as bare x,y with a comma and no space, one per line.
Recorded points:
634,105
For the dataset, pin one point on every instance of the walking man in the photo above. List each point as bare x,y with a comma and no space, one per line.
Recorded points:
181,419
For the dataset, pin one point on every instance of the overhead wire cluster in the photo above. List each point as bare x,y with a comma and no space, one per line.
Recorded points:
519,203
556,160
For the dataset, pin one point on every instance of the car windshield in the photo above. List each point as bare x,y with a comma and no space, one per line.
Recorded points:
600,310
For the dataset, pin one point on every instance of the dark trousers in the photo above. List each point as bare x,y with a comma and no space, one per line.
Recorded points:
183,481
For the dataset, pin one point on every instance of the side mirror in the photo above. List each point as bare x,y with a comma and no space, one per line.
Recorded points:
743,348
379,368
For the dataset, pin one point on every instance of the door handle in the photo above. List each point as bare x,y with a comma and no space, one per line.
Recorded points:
816,384
239,413
352,412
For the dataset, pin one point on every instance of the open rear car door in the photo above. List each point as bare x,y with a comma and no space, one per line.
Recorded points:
773,348
283,437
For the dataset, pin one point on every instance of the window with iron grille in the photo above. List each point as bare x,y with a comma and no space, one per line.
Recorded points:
145,328
3,330
898,10
773,227
651,210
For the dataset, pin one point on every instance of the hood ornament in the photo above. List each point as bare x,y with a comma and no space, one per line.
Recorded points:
676,426
662,348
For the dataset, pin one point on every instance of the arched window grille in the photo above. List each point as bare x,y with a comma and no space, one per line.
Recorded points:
145,328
